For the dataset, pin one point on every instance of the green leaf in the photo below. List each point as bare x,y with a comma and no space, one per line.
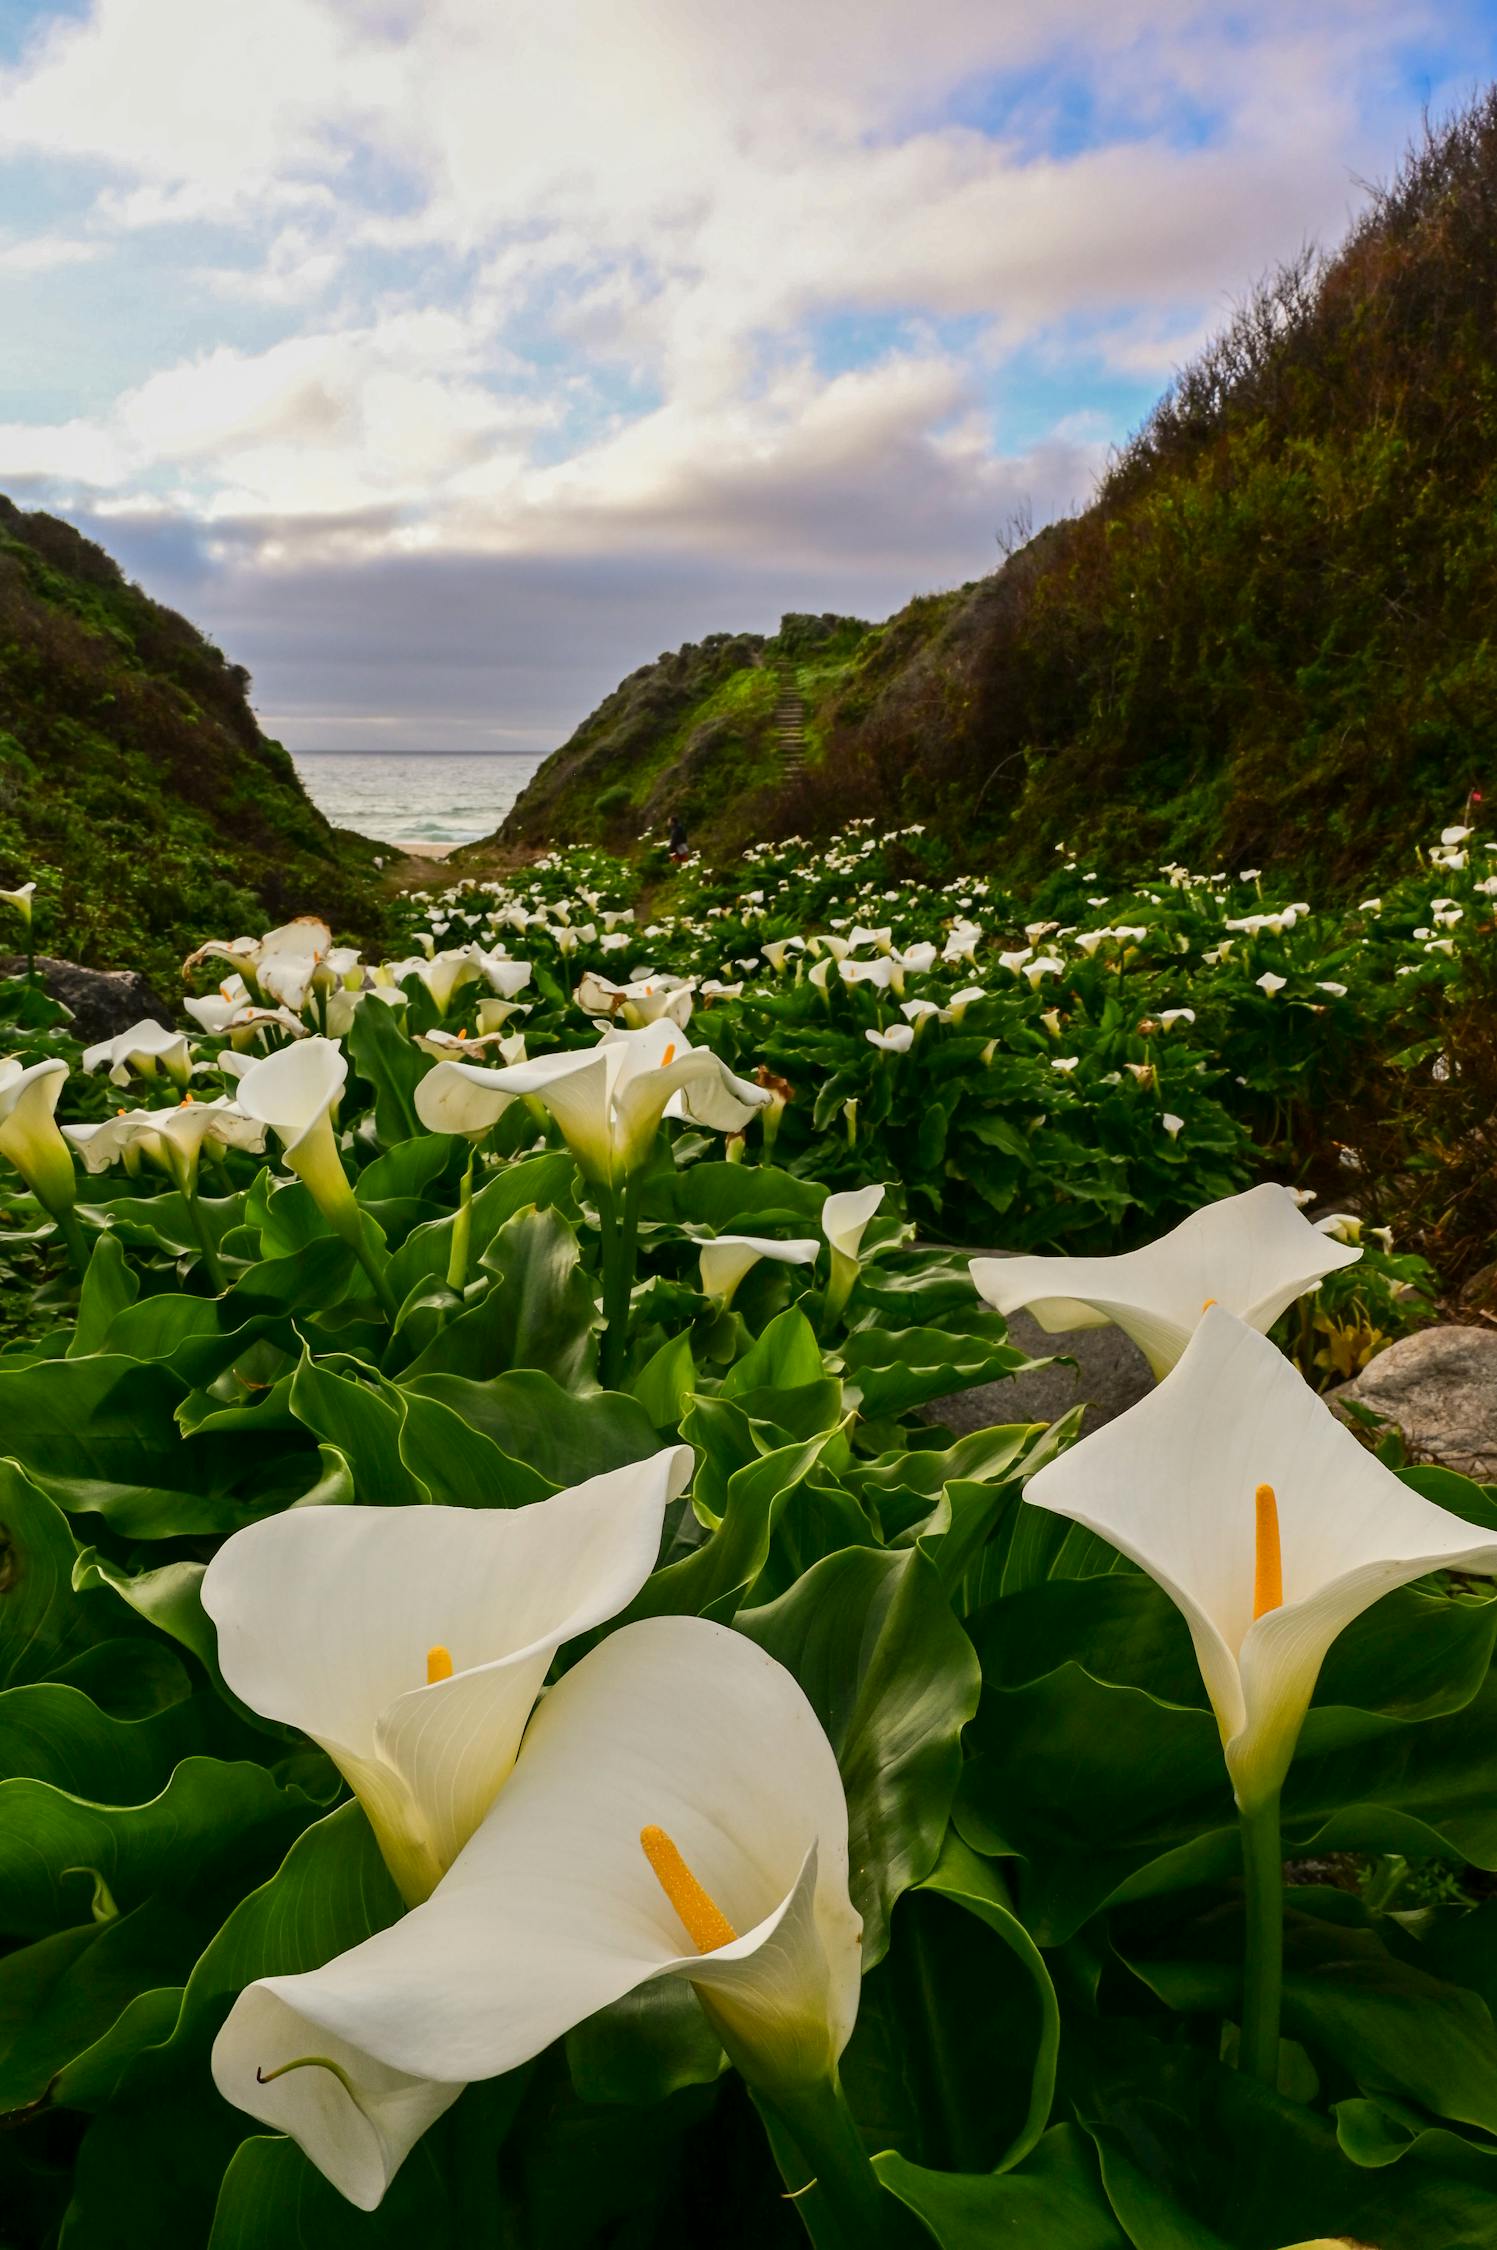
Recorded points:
363,1420
457,1465
665,1383
894,1371
45,1623
392,1065
893,1679
1055,2202
923,2071
785,1357
539,1310
540,1182
721,1572
109,1286
735,1198
564,1438
1395,2028
213,1820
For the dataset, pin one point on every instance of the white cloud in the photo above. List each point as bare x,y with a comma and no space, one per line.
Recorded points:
709,284
43,253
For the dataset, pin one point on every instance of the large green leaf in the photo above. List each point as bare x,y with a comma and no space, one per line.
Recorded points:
924,2072
44,1623
893,1679
213,1821
150,2168
1055,2202
564,1438
363,1419
1393,2026
895,1370
544,1182
392,1065
538,1311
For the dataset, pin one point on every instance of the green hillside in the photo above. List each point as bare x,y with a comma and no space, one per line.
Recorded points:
135,785
1271,638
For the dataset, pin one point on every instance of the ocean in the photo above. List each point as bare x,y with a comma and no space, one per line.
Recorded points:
414,796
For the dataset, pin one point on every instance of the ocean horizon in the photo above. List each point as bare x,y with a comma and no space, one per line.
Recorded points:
417,796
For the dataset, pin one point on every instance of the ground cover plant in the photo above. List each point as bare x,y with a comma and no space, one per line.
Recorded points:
521,1723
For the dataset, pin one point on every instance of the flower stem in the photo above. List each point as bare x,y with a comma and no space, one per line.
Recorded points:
462,1231
1263,1956
620,1225
212,1263
826,2171
67,1226
380,1279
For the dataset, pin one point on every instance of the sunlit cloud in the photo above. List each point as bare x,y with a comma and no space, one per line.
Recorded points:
705,303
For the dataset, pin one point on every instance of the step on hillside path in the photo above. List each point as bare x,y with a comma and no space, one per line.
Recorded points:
790,726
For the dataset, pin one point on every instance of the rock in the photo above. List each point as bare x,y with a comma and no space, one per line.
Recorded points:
1439,1388
1110,1375
103,1001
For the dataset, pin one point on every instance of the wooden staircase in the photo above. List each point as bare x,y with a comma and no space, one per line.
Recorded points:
790,726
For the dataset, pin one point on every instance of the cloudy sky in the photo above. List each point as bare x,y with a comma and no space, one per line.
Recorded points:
446,359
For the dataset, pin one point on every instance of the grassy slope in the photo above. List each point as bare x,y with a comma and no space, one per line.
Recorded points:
1270,640
134,783
694,732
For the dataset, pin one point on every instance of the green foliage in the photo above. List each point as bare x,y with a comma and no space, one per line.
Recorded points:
1043,1848
135,787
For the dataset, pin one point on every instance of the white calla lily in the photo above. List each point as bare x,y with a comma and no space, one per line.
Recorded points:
607,1100
1253,1253
727,1258
174,1139
20,900
294,1093
146,1048
843,1220
30,1138
897,1040
1265,1521
412,1642
643,1000
676,1746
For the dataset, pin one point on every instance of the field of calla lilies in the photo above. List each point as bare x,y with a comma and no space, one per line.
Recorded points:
520,1724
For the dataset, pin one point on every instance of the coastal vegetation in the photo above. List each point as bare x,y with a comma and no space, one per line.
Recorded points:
522,1719
1266,641
136,789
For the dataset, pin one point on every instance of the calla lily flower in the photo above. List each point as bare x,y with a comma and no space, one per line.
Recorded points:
1253,1253
343,1003
727,1258
897,1040
273,964
608,1100
957,1006
20,900
411,1643
1240,1493
645,1000
675,1813
458,1046
140,1052
29,1134
294,1093
231,1013
843,1220
174,1139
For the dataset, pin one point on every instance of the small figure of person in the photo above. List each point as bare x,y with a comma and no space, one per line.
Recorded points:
678,839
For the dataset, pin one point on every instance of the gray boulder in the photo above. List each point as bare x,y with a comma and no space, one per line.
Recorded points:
103,1001
1439,1388
1110,1375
